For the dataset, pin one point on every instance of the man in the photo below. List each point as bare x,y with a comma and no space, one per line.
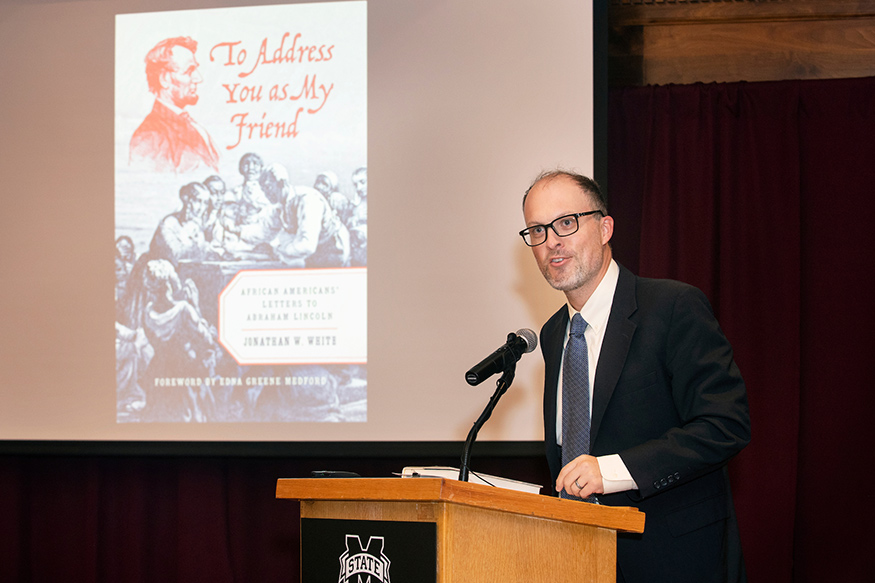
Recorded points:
312,235
360,184
217,189
168,139
180,235
358,220
183,340
668,406
253,218
327,183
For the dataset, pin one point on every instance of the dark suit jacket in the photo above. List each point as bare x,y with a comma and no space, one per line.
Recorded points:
170,142
670,400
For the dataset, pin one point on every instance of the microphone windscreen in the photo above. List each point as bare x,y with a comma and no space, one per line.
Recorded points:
530,337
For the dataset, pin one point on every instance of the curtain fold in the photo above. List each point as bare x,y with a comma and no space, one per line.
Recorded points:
836,507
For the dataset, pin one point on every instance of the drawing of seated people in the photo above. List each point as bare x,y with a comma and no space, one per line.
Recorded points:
249,216
312,234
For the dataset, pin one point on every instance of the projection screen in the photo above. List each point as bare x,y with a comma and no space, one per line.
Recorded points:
278,222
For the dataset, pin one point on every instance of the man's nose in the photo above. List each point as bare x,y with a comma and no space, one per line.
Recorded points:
553,240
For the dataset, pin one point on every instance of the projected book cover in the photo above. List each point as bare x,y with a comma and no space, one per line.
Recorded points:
241,214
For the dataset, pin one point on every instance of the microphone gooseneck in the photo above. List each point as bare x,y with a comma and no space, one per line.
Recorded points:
502,360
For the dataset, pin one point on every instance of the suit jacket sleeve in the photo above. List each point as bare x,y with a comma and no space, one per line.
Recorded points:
679,409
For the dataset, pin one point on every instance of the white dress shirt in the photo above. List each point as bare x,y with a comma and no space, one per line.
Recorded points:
595,312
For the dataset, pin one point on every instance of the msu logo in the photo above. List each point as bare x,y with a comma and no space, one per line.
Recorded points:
364,564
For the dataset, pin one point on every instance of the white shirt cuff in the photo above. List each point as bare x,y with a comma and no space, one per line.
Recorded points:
615,475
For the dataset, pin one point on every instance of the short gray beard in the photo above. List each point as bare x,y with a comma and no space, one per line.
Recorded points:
574,280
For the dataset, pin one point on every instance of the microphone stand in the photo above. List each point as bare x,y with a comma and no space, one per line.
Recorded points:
502,385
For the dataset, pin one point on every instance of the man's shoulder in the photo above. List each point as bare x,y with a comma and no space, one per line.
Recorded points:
658,295
629,282
557,322
309,197
661,287
171,221
159,120
154,137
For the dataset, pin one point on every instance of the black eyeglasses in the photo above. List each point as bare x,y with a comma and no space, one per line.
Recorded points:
563,226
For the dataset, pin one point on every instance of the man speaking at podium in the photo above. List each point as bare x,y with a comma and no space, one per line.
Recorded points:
668,406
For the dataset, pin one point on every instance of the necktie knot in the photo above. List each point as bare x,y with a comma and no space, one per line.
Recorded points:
578,325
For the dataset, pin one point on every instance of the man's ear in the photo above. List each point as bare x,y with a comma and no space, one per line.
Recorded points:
606,229
164,79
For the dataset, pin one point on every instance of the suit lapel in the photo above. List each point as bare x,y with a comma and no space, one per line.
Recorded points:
552,341
615,347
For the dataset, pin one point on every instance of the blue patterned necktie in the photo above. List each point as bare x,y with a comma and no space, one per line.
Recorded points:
575,396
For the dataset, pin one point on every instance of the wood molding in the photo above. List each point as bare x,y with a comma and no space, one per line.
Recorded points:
647,12
679,41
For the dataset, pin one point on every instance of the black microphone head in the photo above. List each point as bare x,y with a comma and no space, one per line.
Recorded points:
530,337
517,344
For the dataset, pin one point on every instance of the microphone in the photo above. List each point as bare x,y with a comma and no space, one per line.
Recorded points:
517,344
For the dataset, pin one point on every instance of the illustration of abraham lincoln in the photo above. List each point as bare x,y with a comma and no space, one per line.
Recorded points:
169,139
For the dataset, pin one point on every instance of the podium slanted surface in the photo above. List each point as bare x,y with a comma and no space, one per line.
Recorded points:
482,533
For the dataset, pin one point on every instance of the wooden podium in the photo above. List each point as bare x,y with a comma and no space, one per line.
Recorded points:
483,534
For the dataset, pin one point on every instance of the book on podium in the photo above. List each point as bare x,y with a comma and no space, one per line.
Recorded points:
450,473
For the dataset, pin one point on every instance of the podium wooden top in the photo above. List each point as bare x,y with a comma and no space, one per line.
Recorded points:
620,518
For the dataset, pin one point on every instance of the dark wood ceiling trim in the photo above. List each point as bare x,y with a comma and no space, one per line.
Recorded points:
660,12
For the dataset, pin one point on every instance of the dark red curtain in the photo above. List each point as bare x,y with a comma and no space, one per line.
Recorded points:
144,519
762,195
187,519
